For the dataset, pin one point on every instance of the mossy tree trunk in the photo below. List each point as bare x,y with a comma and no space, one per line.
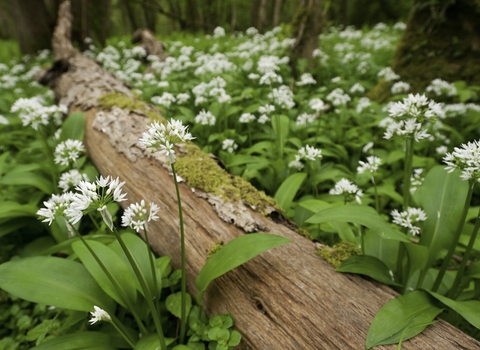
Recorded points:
442,40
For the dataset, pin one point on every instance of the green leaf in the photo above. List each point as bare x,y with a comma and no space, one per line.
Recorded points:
288,189
281,127
151,342
78,340
235,253
368,266
469,310
441,196
402,318
28,179
359,214
174,304
235,338
73,127
113,264
418,258
138,249
53,281
473,270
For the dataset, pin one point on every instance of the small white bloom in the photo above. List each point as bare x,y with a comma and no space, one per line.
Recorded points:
67,152
371,165
347,189
4,120
99,315
357,87
182,98
466,158
263,119
205,118
55,206
71,179
317,104
246,118
306,79
338,97
229,145
408,218
267,109
400,87
218,32
137,215
305,119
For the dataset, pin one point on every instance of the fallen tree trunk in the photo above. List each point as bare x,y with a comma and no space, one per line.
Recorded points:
287,298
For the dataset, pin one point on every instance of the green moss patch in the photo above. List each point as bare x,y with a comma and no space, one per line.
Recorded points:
339,253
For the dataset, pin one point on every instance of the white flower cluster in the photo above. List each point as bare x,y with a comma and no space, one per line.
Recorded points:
338,97
55,206
215,89
99,315
229,145
246,118
466,158
357,87
68,151
306,79
205,118
408,218
71,179
165,100
411,117
282,97
400,87
347,189
137,215
307,153
362,104
94,196
388,74
33,112
317,104
215,64
3,120
265,111
218,32
416,180
371,165
269,78
163,138
440,87
305,119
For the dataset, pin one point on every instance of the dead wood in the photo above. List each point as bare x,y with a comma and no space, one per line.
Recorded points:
287,298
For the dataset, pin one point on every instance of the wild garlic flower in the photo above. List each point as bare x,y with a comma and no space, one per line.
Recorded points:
306,79
362,104
246,118
357,87
400,87
370,166
408,218
338,97
182,98
388,74
282,97
267,109
68,151
165,100
205,118
305,119
55,206
466,158
347,189
137,215
269,78
411,117
3,120
439,87
71,179
229,145
94,196
441,150
263,119
307,153
317,104
218,32
34,113
163,138
99,315
416,180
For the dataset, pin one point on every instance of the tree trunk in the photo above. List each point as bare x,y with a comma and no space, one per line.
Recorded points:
262,15
442,40
128,8
287,298
192,16
233,20
33,25
306,27
277,6
150,13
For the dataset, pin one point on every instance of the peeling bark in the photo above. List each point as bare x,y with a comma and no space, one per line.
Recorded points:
287,298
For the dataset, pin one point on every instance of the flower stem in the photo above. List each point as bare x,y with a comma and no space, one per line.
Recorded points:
146,290
125,299
183,309
123,332
407,172
156,293
456,237
377,202
48,154
454,291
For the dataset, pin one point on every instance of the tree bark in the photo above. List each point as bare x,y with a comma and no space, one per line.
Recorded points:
262,15
233,20
33,25
277,6
287,298
442,40
149,11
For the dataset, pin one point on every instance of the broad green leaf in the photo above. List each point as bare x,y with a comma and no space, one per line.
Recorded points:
151,342
28,179
77,341
359,214
417,258
281,127
53,281
288,189
174,304
73,127
402,318
235,253
441,196
368,266
473,270
469,310
114,265
138,249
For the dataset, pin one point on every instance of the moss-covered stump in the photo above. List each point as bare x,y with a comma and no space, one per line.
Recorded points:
442,40
288,297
